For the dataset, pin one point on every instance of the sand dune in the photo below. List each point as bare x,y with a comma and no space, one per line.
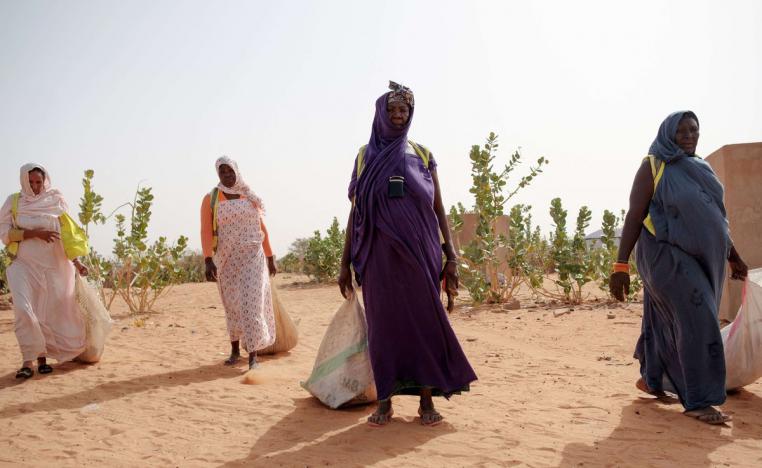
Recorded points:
553,391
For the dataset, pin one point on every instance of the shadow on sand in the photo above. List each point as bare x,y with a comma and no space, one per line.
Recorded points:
115,389
315,435
651,433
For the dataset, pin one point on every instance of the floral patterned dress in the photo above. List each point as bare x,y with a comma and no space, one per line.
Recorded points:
242,275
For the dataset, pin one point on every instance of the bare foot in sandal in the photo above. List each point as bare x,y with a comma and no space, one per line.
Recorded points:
383,414
709,415
232,360
429,415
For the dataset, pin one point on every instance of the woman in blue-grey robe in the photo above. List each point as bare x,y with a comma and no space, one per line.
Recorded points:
677,217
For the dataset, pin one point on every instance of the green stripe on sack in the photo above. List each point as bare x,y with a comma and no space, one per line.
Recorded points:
335,362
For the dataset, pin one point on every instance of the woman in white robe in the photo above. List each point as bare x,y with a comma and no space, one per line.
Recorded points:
48,322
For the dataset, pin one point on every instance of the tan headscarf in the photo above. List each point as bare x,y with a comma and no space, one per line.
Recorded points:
240,187
49,201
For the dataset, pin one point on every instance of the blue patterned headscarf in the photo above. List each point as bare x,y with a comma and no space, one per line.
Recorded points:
664,146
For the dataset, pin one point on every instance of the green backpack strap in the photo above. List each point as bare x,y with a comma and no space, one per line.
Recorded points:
13,247
657,171
214,203
15,206
361,160
420,150
422,153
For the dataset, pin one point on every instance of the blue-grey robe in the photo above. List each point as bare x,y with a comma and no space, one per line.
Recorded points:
683,267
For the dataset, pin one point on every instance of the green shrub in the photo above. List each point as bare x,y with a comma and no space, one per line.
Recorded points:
482,260
4,261
322,256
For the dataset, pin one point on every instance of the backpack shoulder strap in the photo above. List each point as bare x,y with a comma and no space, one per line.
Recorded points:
361,160
422,152
214,202
15,206
657,171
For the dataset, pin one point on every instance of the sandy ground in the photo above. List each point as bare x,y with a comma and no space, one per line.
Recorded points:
555,390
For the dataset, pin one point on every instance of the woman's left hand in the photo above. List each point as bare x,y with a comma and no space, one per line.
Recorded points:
738,269
271,266
81,269
450,275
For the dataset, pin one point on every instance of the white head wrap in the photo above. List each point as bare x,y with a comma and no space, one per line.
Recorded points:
49,201
240,187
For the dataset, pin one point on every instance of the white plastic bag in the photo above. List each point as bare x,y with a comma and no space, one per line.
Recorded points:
286,334
342,373
97,320
743,338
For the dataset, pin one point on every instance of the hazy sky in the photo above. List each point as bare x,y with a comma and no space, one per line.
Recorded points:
154,91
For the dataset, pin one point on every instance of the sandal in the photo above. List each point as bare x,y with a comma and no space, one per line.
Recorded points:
709,415
24,373
234,357
44,369
380,419
430,417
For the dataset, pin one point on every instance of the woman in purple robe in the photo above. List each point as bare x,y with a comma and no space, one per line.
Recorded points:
393,244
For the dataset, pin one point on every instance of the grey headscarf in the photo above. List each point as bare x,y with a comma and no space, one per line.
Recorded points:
664,146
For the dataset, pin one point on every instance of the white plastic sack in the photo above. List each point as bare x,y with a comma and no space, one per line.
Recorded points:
743,338
342,373
286,334
97,320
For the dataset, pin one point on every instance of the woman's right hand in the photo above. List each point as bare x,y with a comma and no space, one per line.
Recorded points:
619,285
211,269
47,236
345,281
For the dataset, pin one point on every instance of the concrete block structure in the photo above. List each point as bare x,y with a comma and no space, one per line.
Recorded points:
739,167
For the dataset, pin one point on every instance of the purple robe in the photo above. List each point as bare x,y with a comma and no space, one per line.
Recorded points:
397,259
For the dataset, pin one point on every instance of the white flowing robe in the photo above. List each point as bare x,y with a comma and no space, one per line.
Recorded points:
48,321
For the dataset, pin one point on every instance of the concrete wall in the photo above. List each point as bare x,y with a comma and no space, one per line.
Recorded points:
739,167
466,235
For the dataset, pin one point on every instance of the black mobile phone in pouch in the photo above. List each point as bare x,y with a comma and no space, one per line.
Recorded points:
396,187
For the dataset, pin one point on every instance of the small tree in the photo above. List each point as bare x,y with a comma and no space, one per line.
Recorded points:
483,258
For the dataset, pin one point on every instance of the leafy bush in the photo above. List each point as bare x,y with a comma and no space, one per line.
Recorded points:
192,268
605,254
572,262
142,273
290,263
482,260
322,256
293,261
4,260
90,213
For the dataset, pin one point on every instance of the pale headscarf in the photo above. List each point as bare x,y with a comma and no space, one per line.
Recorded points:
49,201
240,187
